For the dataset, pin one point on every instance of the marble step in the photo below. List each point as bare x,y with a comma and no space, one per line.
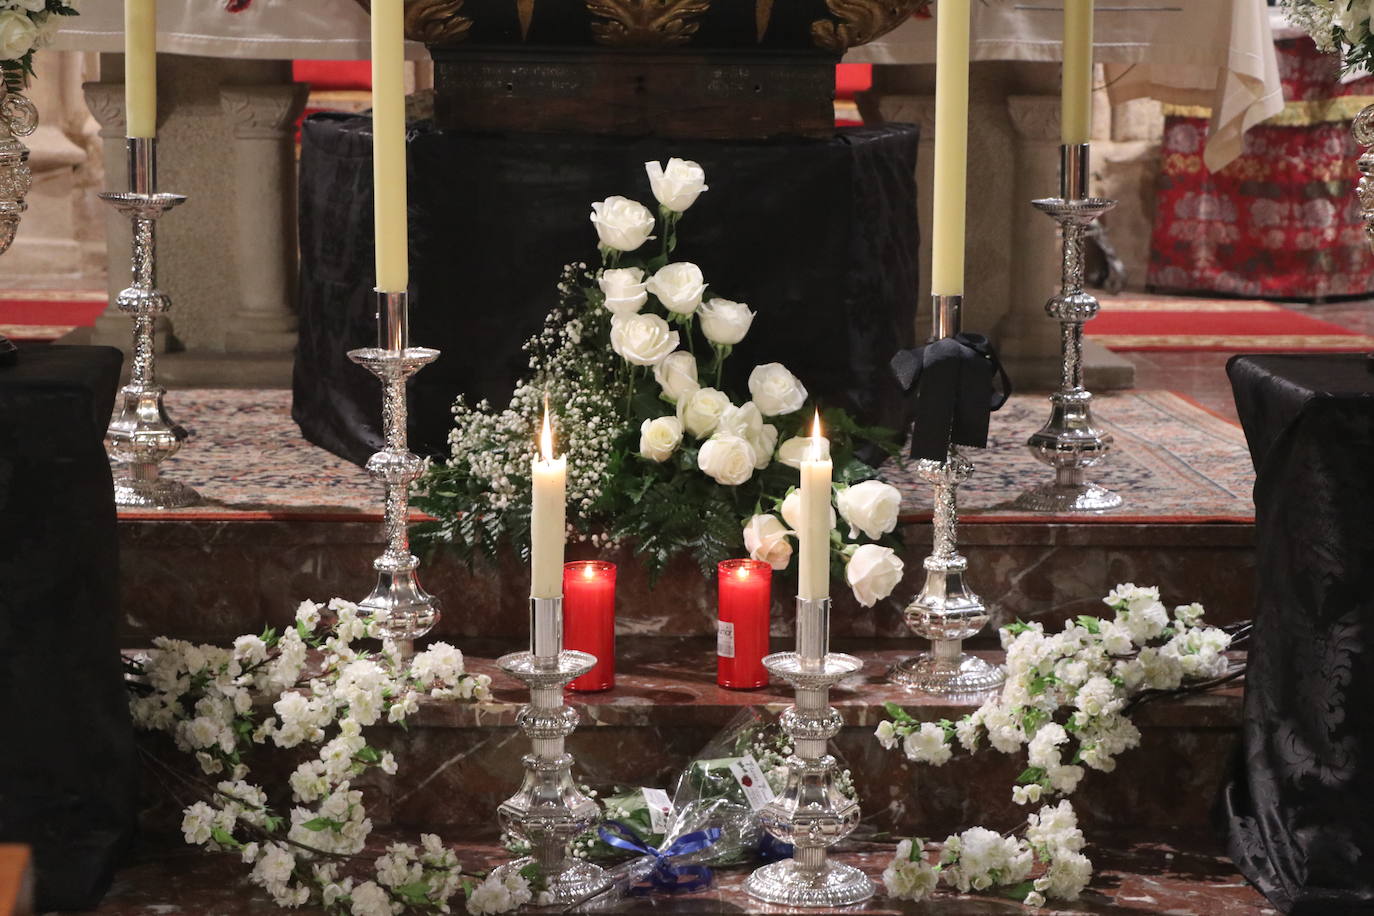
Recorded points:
210,579
459,761
1174,871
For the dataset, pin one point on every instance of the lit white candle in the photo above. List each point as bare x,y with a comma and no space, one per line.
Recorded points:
1077,89
548,518
813,572
389,145
951,147
140,67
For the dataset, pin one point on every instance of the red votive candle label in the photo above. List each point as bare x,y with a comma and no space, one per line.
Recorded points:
589,619
745,590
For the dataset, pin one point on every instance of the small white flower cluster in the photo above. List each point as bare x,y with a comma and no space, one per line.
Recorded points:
909,876
499,894
26,25
1065,703
208,699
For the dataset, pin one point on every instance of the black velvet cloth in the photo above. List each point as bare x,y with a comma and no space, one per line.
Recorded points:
1300,805
67,771
818,236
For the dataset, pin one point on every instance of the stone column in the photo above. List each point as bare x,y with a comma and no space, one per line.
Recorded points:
1028,341
262,118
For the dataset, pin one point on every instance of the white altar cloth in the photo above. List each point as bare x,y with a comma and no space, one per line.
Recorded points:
265,30
1215,53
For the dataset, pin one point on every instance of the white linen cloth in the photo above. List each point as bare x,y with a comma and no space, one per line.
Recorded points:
265,30
1216,53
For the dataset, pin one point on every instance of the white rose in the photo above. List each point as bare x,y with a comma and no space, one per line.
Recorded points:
642,339
870,507
679,185
622,223
776,390
659,438
676,374
873,572
624,289
724,322
679,287
767,540
701,410
746,422
791,510
764,444
18,35
728,460
800,448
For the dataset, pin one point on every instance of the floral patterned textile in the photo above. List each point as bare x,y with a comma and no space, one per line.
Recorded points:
1281,221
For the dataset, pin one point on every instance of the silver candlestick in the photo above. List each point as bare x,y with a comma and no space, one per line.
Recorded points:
142,435
549,811
1069,441
810,813
402,609
947,611
18,118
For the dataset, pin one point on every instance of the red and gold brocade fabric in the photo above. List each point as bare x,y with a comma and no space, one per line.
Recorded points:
1280,221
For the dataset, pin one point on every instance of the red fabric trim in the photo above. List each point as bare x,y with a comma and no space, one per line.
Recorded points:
39,312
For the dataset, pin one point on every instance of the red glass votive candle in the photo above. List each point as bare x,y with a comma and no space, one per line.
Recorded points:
745,590
589,619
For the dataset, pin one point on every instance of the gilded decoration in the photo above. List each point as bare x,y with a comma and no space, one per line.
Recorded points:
763,14
860,21
646,23
434,22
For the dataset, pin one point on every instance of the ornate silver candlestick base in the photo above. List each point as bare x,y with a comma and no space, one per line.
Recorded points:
946,611
549,811
810,813
142,435
1070,442
402,609
18,118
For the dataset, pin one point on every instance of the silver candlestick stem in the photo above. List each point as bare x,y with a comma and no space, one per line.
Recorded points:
1070,442
18,118
402,609
549,811
810,813
947,611
142,435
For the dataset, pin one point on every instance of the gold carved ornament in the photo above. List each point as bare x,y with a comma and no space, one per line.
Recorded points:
646,23
861,21
434,22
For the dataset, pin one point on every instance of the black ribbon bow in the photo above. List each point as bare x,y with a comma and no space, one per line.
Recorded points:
952,396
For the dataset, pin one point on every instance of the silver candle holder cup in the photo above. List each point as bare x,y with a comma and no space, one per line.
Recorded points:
549,811
810,812
1070,442
402,609
947,611
142,435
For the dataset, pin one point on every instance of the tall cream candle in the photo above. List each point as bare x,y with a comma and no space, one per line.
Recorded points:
548,518
813,566
951,147
389,144
1077,88
140,67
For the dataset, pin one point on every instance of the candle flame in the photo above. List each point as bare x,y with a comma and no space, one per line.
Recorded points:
588,571
742,572
815,453
546,435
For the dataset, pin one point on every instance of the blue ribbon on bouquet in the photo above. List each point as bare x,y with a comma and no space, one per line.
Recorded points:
666,876
950,382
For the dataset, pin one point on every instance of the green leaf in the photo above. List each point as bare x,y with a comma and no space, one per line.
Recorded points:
368,754
221,837
1092,624
897,713
1017,628
1030,775
415,893
322,823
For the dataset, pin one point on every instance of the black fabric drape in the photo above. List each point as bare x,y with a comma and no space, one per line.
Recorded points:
818,236
67,771
1300,805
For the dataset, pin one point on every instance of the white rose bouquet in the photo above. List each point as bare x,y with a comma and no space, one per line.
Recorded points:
660,453
1338,27
26,26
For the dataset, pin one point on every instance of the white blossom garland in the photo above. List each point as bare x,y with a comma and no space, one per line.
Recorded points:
1066,704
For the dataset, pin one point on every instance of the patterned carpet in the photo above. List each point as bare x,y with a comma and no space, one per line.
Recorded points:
1174,461
1227,325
